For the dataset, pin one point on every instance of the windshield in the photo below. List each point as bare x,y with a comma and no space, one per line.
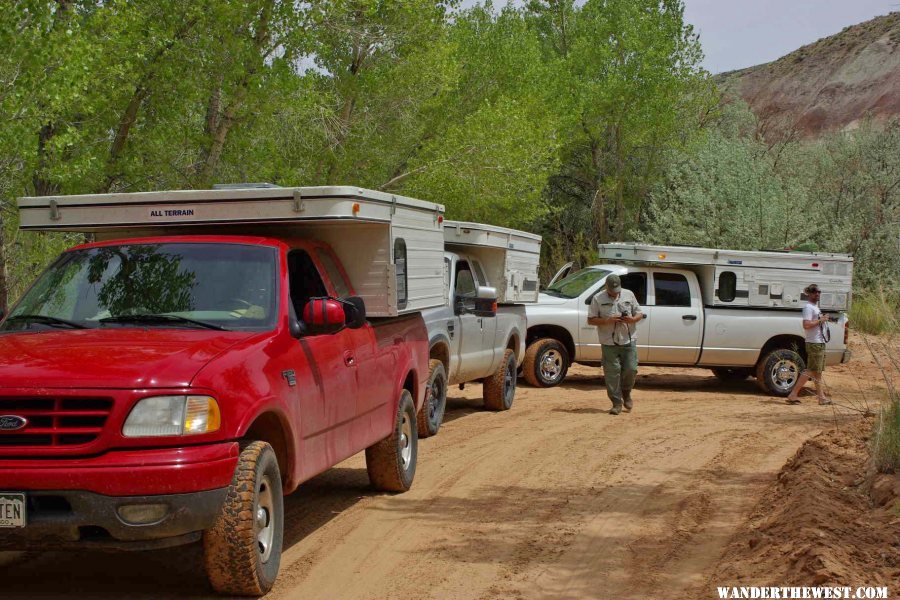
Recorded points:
575,284
218,286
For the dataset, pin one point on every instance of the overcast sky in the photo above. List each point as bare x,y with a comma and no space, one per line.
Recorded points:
742,33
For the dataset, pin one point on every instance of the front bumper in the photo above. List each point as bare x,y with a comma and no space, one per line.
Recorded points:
74,502
126,472
76,519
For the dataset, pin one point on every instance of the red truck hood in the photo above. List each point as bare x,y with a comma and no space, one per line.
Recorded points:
109,358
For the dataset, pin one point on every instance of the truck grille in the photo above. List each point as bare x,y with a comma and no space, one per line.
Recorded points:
65,421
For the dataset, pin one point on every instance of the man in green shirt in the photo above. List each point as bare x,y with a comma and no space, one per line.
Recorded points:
615,312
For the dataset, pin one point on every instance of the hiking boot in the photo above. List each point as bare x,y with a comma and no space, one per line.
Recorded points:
628,404
616,409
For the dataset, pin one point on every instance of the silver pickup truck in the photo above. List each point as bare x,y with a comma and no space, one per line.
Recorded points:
735,343
471,340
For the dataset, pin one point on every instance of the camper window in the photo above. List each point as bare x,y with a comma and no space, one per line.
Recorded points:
400,269
334,273
671,289
727,286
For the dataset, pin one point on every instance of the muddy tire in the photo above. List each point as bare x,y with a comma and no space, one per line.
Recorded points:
778,371
242,551
732,373
500,388
546,363
391,463
431,415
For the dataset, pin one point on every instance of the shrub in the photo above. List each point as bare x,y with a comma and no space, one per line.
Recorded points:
886,438
875,312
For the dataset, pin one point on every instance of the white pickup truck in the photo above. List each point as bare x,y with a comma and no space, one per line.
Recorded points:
490,272
736,314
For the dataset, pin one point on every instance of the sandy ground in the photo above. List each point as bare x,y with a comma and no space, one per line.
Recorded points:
552,499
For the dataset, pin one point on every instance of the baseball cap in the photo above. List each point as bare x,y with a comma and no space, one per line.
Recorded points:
613,283
812,289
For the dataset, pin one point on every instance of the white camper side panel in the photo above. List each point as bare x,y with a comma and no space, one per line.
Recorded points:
760,279
390,283
421,235
365,251
510,257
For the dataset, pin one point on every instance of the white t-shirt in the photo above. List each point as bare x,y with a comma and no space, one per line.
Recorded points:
811,312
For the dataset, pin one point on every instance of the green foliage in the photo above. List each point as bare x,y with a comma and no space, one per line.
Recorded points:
584,121
886,437
734,189
876,311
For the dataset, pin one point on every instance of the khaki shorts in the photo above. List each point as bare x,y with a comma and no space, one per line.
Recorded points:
815,357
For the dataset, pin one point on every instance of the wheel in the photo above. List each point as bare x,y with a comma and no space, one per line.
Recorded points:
778,371
732,373
242,551
500,388
391,463
432,412
546,363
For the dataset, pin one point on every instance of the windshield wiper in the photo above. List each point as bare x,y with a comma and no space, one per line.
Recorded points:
46,320
161,318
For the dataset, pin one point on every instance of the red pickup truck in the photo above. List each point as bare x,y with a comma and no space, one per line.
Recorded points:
161,390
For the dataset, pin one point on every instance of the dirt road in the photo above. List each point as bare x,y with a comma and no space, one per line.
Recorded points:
553,499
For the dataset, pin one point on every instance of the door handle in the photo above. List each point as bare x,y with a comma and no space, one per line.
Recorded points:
689,317
349,359
451,328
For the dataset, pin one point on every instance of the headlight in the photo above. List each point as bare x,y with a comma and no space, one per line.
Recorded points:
173,415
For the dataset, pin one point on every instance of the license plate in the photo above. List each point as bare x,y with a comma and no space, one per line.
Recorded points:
12,509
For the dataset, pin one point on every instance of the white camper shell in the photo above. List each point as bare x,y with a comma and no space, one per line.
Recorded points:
749,278
509,256
391,246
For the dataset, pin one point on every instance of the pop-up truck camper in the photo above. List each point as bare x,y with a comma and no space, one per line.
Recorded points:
205,344
734,312
491,274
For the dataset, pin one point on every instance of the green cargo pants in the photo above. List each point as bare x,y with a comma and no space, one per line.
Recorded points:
620,366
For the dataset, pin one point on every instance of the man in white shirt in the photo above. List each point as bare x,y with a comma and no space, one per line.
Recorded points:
814,324
615,312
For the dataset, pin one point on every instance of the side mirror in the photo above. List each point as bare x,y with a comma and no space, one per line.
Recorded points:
354,312
324,315
486,293
485,302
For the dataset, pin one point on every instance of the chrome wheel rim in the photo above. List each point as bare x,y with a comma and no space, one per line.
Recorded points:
405,442
551,365
264,513
785,374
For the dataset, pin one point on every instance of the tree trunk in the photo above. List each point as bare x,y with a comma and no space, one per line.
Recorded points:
4,272
222,124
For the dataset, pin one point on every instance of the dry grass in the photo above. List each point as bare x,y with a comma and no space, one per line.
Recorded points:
886,436
875,311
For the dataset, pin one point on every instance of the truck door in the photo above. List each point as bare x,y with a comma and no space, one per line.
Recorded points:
472,351
490,356
676,327
589,339
373,369
327,361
